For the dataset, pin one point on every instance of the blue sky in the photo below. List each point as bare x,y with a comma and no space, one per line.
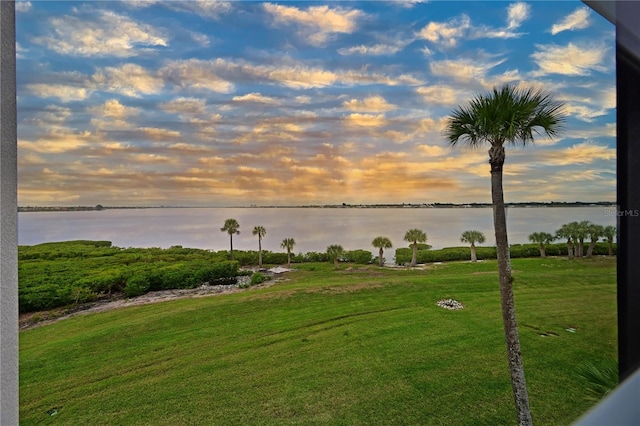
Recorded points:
146,103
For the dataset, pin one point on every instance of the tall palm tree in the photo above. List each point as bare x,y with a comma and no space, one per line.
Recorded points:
260,232
594,233
472,237
610,233
415,236
335,251
541,238
288,244
506,116
381,243
231,226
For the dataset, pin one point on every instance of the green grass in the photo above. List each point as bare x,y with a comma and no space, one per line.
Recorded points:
357,346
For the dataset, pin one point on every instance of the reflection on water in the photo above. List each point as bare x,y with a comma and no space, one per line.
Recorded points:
313,228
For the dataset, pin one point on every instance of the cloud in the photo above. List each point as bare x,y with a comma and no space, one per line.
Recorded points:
440,94
463,70
317,24
446,33
159,134
112,115
198,74
373,103
102,33
129,79
65,93
211,9
517,13
578,20
184,105
581,153
365,120
23,6
113,108
255,98
56,141
569,60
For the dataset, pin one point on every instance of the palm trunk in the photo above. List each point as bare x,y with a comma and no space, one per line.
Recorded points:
569,249
518,383
592,245
414,257
231,243
380,260
610,248
474,258
259,252
288,259
542,253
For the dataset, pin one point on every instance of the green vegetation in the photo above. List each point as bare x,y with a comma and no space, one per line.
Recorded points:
358,346
58,274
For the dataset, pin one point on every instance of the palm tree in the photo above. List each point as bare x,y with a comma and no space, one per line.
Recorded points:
507,115
288,244
415,236
610,233
381,243
541,238
594,233
260,232
567,231
334,252
231,227
472,237
581,232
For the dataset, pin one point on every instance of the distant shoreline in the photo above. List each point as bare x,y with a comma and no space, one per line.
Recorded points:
28,209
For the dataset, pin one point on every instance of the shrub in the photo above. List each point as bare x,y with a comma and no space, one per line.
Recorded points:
258,278
358,256
136,286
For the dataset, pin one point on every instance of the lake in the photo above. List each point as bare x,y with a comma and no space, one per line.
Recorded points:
312,228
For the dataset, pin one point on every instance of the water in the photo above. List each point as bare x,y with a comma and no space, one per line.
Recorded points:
312,228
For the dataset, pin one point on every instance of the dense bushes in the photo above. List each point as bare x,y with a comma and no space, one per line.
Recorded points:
403,255
59,274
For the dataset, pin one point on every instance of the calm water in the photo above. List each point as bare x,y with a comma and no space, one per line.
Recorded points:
313,228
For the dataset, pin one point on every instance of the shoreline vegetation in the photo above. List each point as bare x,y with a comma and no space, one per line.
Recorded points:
99,207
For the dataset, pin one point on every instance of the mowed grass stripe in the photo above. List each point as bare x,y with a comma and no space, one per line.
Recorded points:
355,346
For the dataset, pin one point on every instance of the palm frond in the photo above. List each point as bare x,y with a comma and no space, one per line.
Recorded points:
507,114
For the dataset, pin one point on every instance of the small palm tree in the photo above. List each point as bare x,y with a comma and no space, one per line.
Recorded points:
231,226
610,233
288,244
567,231
335,251
581,233
472,237
506,116
381,243
594,232
541,238
260,232
415,236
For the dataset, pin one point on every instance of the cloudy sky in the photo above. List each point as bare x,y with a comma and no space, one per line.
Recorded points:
236,103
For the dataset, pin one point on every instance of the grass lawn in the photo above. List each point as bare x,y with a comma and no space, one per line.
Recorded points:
359,346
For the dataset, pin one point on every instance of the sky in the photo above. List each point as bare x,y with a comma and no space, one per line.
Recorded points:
215,103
